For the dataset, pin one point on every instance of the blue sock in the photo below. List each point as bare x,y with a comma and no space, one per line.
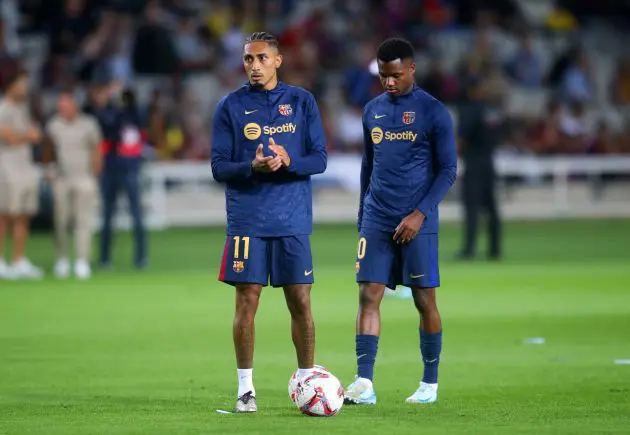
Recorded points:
430,347
367,346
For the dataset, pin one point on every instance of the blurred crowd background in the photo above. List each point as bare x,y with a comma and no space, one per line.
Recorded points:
560,70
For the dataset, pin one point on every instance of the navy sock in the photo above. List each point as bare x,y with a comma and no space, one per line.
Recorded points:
367,345
430,347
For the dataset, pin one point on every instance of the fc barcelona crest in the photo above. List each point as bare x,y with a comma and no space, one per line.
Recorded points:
285,109
409,117
238,266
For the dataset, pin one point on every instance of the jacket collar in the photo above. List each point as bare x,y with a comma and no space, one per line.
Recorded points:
280,86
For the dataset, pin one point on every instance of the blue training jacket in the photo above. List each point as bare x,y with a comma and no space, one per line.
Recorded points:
409,160
280,203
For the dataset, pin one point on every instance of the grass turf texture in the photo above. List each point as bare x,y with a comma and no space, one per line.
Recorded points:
151,352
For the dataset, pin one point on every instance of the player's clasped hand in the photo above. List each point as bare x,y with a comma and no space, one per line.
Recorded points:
264,163
408,228
280,152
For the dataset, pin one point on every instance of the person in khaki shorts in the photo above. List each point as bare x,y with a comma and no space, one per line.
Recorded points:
19,177
76,139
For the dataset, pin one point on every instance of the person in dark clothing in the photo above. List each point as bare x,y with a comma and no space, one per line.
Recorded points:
154,51
481,126
122,156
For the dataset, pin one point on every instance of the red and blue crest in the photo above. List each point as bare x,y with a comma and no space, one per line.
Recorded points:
408,117
285,109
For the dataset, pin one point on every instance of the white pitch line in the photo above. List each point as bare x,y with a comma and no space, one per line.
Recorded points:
220,411
622,361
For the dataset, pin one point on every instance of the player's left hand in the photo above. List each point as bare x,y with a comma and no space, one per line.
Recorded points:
280,152
408,228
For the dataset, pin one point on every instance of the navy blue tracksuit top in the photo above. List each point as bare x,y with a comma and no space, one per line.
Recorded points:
280,203
409,160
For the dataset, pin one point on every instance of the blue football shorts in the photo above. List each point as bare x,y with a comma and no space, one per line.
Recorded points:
381,260
263,260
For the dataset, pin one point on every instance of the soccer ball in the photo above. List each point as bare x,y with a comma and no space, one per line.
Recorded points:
319,394
293,381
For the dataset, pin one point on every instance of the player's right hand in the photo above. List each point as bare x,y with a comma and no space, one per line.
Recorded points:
265,164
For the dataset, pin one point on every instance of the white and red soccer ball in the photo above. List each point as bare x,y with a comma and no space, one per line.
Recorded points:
318,394
293,381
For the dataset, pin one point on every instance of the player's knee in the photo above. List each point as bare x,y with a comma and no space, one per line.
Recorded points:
247,298
370,296
424,299
299,300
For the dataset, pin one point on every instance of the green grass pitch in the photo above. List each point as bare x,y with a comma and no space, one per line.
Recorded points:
151,352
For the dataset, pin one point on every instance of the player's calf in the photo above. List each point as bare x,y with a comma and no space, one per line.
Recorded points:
361,391
247,298
430,332
298,298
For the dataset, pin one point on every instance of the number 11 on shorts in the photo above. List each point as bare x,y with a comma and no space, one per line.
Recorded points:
237,247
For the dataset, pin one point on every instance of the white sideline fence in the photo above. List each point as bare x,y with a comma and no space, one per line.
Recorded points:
185,193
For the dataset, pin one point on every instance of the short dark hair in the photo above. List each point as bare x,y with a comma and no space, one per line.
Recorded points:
394,48
267,37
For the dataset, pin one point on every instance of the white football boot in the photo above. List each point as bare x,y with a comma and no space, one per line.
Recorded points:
426,393
360,392
246,403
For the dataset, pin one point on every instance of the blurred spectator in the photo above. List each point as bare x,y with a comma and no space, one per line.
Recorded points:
232,40
118,50
118,116
482,123
359,84
524,68
154,51
305,70
437,13
575,83
545,135
192,51
440,83
577,129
